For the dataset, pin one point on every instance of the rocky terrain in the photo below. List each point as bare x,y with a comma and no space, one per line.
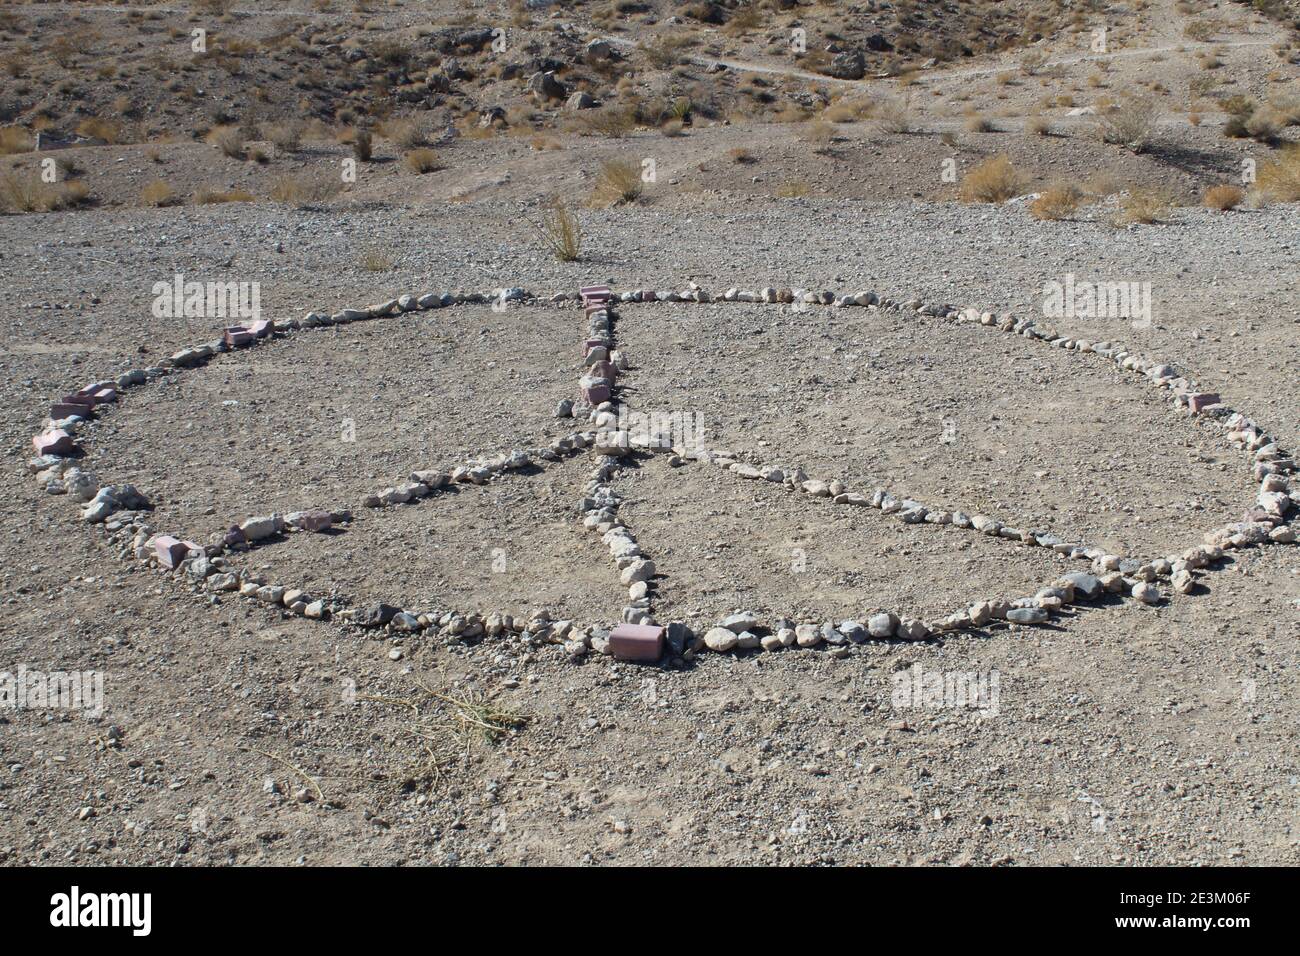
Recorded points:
1150,722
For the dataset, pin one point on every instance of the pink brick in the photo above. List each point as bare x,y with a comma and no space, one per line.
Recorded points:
1200,400
64,409
104,396
53,441
171,551
594,293
595,392
637,642
604,370
79,398
315,520
261,328
237,335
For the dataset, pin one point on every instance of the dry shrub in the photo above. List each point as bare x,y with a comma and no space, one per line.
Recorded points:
98,128
741,155
157,193
1279,179
796,189
1060,201
1130,124
559,231
228,139
1038,126
1223,197
847,111
209,196
1145,206
619,181
613,122
672,128
994,180
421,161
895,116
979,124
817,132
362,145
21,192
406,133
286,137
305,190
375,260
14,139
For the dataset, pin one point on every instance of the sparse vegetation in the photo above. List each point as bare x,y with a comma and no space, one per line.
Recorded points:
1144,206
1223,197
375,260
14,139
420,161
1278,179
305,190
559,231
994,180
158,193
1060,201
1131,123
619,181
228,140
25,192
209,196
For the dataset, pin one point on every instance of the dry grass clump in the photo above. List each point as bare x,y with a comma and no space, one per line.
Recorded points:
979,124
15,139
1223,197
619,181
1279,179
158,193
994,180
96,127
612,122
422,160
895,116
375,260
228,140
286,137
406,133
797,189
847,111
741,155
210,196
1038,126
1144,206
305,190
362,145
817,132
1248,119
21,192
1060,201
1130,124
559,231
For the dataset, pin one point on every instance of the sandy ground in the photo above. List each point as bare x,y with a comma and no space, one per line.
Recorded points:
236,734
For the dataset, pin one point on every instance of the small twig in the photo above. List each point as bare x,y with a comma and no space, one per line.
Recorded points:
320,796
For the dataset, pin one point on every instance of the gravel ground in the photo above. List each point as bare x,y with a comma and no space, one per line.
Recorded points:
1128,735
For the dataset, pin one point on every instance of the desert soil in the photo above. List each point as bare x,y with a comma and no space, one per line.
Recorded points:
236,734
